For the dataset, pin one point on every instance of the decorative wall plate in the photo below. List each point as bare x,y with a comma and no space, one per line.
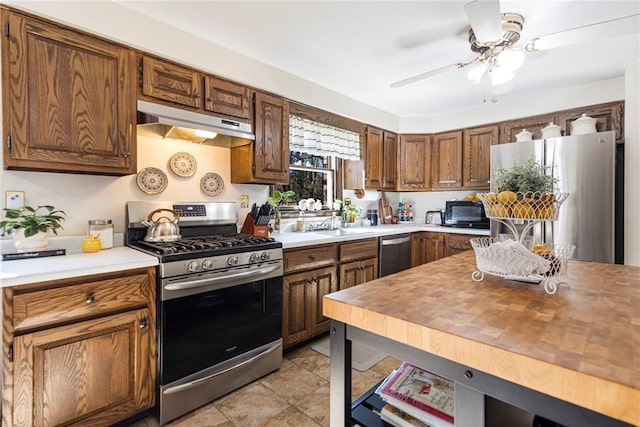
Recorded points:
211,184
183,164
152,180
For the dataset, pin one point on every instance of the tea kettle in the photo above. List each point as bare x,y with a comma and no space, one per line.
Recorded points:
163,229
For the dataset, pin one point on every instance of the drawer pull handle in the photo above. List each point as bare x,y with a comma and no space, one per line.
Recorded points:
313,257
90,299
143,323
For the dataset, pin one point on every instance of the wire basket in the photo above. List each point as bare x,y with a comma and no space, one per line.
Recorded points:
528,262
510,205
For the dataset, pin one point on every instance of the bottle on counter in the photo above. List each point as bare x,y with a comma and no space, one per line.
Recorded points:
103,230
300,223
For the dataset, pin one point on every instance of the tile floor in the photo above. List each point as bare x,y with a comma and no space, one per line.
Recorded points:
296,395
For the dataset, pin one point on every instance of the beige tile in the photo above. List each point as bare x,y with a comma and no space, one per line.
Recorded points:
316,406
207,416
299,355
252,407
291,417
294,383
318,364
363,381
386,365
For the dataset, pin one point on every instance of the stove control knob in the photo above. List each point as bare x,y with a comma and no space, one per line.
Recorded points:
232,260
193,266
265,256
207,264
254,257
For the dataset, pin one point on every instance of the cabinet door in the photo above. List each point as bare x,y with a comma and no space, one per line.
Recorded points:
271,147
416,249
476,169
94,372
608,116
389,160
69,100
302,303
446,161
457,243
369,270
433,246
374,158
414,166
349,274
226,98
171,82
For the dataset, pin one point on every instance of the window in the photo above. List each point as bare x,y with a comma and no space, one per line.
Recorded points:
311,177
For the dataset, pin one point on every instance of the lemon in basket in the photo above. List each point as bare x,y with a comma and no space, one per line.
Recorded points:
506,197
523,210
500,211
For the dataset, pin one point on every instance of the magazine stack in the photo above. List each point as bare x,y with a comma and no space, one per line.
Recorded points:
417,398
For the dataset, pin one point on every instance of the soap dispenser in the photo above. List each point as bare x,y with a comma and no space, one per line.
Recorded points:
300,223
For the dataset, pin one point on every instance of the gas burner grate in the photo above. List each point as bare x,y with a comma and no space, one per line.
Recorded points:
204,243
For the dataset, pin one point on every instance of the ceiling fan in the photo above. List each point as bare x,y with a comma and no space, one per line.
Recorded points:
493,36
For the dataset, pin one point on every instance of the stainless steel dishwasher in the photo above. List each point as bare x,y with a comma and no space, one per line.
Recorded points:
395,254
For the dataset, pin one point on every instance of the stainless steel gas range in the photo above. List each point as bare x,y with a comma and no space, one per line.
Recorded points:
219,303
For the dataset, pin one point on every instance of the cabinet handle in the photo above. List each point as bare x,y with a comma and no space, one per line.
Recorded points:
90,299
312,257
126,154
196,95
143,323
210,99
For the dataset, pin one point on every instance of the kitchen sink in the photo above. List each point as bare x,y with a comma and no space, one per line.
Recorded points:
341,232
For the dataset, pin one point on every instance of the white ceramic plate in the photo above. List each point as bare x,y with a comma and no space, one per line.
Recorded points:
152,180
211,184
183,164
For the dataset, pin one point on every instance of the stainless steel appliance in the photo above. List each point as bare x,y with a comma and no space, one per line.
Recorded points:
434,217
394,254
585,166
219,304
465,214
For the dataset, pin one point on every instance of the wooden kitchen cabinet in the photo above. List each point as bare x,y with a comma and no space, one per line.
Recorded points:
457,243
225,97
535,124
79,351
414,165
265,160
358,262
381,159
427,246
476,156
69,101
446,161
309,274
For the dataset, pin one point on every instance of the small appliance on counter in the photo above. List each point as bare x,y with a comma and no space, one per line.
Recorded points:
465,214
434,217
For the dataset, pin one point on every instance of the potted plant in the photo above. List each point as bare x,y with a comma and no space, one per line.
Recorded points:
277,199
29,226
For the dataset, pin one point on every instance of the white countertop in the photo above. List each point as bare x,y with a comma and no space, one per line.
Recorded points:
72,264
298,239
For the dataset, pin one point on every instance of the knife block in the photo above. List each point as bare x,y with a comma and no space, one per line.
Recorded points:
250,227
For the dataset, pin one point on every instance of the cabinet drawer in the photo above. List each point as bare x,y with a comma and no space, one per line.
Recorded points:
54,306
309,257
359,250
459,242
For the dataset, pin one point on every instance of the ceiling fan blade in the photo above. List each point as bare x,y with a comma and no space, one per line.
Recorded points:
485,20
618,27
422,76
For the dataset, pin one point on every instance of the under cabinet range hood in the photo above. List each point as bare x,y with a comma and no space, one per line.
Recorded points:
169,122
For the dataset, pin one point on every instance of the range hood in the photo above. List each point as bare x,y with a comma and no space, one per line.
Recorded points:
169,122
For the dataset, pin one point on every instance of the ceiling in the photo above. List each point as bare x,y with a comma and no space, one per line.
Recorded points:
359,48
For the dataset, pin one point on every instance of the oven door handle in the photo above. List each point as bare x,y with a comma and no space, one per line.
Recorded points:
195,383
208,281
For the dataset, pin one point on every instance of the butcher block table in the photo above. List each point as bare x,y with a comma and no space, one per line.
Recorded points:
573,356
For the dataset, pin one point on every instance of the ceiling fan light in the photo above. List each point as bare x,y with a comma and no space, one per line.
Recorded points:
510,59
476,71
500,75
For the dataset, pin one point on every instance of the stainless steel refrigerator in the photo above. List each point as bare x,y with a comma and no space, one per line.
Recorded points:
588,167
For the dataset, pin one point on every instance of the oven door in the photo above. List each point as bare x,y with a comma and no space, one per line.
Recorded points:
228,319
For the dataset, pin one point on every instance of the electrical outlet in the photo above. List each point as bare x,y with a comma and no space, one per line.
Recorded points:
244,201
14,199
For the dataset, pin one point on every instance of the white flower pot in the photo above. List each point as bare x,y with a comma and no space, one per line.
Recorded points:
37,242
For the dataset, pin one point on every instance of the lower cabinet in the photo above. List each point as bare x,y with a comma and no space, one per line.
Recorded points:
358,262
427,246
81,353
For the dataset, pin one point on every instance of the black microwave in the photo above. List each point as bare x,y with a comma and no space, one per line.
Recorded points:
465,214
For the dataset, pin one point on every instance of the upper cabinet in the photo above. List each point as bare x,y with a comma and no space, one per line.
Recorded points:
380,159
414,165
265,160
446,161
476,156
69,100
166,81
